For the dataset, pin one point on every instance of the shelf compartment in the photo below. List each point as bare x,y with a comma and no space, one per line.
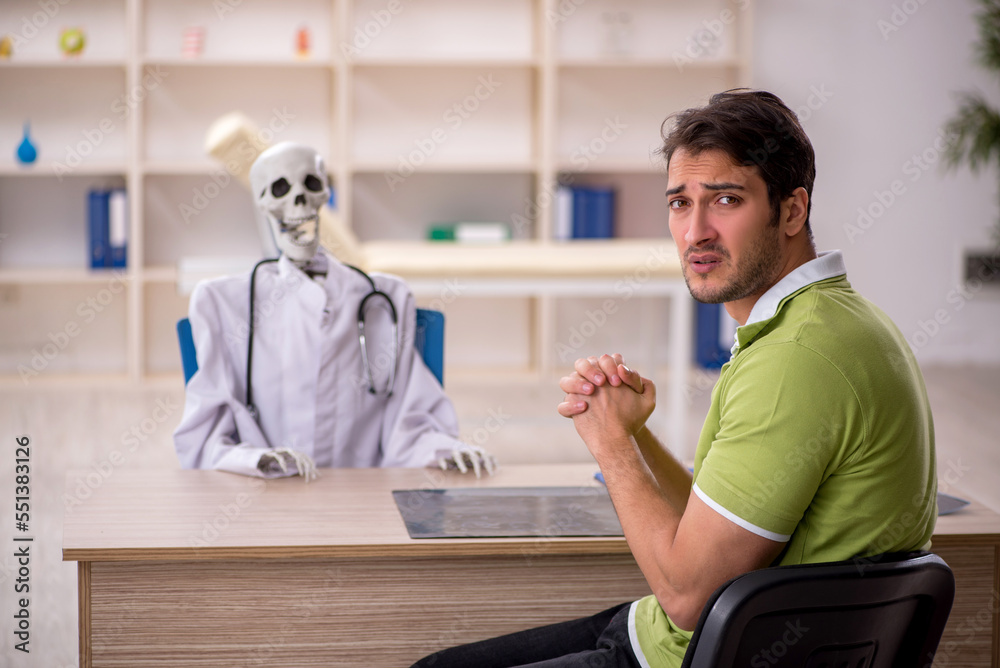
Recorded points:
36,27
640,204
47,330
43,221
422,199
286,105
449,115
432,29
258,30
594,131
680,32
76,121
194,215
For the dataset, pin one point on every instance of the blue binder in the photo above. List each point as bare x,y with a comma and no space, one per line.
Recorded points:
98,226
593,212
118,227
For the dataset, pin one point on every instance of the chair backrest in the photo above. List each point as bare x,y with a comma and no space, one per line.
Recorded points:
875,612
189,359
428,340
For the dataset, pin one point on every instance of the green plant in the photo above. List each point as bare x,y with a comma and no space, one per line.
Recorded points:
975,128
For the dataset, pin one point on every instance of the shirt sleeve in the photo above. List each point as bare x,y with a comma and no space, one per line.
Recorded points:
787,417
420,423
216,430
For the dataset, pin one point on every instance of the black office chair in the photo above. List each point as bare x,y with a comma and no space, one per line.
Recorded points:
875,612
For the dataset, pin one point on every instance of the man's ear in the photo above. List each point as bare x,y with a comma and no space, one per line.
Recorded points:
794,211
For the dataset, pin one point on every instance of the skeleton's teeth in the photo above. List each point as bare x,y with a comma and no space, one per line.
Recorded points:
295,222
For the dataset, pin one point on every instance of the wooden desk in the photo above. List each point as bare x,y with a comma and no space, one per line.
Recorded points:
201,568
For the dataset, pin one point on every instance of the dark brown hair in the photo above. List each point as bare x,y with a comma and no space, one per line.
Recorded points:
752,127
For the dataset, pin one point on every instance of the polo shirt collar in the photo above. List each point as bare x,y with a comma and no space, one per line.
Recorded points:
826,265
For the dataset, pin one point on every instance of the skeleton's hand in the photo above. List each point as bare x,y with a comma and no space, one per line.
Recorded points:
466,457
282,458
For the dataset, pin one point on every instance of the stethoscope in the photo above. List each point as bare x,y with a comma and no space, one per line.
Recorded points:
374,293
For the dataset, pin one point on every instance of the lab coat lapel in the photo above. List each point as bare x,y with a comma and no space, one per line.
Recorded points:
301,315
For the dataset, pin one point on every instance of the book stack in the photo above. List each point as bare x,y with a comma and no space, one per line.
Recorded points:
107,222
584,212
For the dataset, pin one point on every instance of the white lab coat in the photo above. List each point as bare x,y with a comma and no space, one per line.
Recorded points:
309,384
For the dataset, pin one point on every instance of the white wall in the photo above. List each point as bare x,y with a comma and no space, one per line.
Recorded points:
888,94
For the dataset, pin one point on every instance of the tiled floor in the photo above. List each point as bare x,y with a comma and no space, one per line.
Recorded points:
77,429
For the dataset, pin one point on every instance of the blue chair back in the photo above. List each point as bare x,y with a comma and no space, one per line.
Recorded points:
428,340
189,359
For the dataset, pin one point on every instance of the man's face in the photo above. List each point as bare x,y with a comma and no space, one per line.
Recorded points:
727,236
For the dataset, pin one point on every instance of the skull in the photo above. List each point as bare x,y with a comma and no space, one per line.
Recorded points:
291,184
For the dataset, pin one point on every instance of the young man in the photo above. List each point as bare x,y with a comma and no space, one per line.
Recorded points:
818,445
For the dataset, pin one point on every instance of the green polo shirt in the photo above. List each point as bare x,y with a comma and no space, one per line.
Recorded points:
819,435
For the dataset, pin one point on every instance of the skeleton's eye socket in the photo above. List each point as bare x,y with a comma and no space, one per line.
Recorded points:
280,188
313,184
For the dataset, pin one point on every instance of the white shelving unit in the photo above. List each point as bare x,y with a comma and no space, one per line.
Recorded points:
428,111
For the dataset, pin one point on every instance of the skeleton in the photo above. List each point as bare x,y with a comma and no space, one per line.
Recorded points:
290,184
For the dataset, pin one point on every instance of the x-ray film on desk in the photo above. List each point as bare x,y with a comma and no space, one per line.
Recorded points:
507,512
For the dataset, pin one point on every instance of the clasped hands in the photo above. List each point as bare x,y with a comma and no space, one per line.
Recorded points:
606,399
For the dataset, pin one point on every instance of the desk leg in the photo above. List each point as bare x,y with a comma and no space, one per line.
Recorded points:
83,584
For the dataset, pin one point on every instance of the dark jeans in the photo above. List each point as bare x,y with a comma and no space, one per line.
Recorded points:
600,641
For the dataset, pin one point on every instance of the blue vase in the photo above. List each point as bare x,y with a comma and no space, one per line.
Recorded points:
26,151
